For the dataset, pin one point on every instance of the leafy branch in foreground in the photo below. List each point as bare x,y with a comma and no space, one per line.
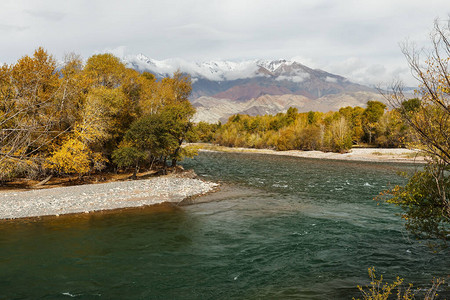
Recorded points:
425,212
379,290
426,197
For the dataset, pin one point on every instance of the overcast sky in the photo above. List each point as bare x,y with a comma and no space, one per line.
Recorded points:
357,39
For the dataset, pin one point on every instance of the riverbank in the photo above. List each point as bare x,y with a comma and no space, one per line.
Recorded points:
397,155
101,196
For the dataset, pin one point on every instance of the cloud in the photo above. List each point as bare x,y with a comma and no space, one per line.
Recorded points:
214,70
12,28
295,78
120,51
331,79
46,15
356,39
364,72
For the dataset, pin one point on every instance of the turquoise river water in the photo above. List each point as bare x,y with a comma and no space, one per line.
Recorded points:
282,228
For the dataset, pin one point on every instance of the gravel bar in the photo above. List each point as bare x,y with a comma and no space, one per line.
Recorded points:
102,196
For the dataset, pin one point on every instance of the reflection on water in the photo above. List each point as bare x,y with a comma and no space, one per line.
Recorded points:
281,228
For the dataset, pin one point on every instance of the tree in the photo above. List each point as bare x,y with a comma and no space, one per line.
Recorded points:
177,119
75,156
391,131
72,119
340,136
163,131
410,106
354,116
127,156
169,90
371,116
204,132
425,213
161,134
374,111
425,198
105,70
31,106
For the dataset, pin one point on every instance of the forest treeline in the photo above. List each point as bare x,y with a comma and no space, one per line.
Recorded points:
84,117
88,116
374,125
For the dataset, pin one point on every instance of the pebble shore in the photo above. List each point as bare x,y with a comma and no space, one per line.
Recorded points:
384,155
103,196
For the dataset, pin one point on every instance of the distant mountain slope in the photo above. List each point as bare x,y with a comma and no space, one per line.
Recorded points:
212,110
257,87
250,79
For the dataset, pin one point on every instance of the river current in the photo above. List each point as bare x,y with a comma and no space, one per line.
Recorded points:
281,228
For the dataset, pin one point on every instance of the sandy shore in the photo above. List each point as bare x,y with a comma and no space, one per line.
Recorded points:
400,155
102,196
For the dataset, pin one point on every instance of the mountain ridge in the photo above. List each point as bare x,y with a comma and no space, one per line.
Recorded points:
255,77
212,110
254,87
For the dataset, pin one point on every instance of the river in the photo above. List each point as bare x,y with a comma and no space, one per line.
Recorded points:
282,228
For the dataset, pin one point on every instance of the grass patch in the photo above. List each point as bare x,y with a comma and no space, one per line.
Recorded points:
212,147
413,155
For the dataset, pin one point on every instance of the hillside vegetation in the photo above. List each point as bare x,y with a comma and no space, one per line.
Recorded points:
333,131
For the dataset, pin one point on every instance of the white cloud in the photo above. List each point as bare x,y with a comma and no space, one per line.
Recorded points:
120,51
356,39
365,72
46,15
331,79
296,77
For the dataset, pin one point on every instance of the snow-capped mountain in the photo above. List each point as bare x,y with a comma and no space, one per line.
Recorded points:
249,79
224,70
212,70
223,87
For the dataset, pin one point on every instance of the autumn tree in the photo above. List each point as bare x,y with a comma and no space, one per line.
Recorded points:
205,132
75,156
371,115
105,70
129,156
110,96
425,198
340,135
354,116
72,119
72,91
168,90
160,135
161,130
31,106
102,121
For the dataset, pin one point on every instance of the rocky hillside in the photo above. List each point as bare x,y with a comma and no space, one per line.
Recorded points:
212,110
223,88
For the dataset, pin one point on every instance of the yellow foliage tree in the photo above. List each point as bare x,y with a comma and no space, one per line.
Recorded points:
105,70
75,156
29,109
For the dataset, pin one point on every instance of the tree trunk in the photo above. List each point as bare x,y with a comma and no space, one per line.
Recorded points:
44,181
165,166
174,160
151,164
136,168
